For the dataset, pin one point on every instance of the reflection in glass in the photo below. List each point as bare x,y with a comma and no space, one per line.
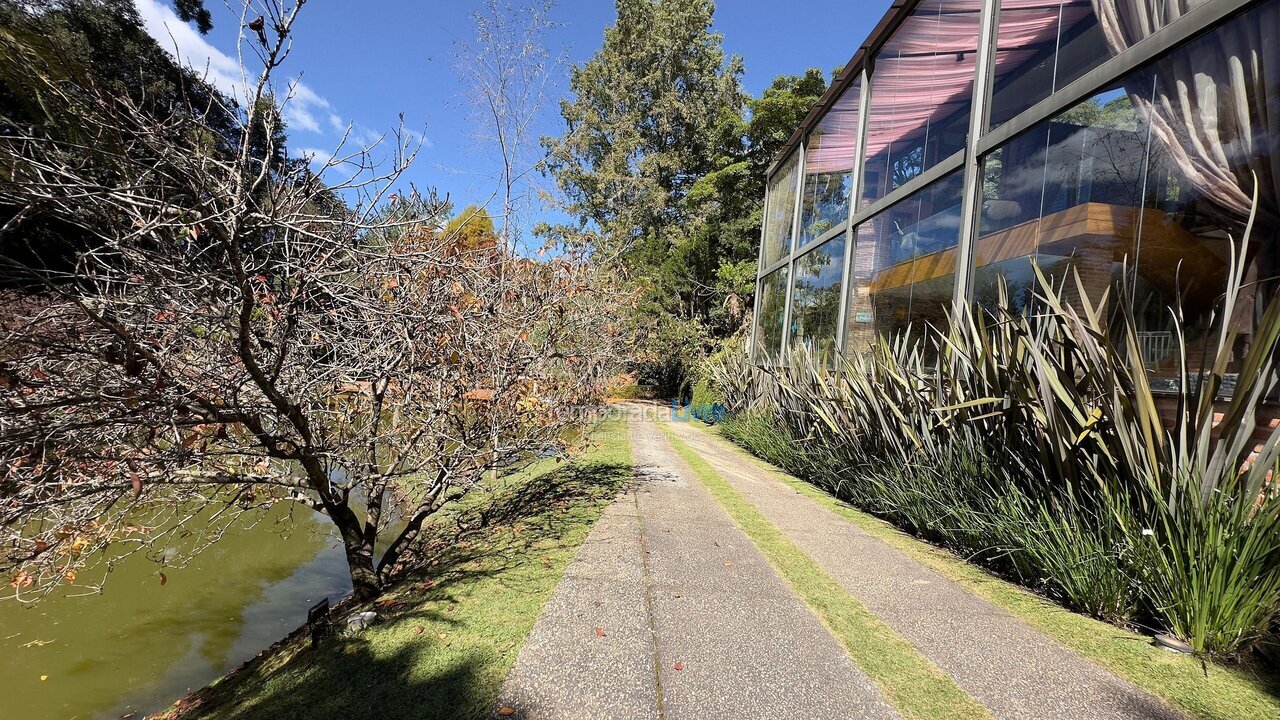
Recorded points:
1042,46
780,211
1152,178
770,321
904,267
828,167
921,87
815,297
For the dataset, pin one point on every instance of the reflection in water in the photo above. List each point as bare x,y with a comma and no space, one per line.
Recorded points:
140,645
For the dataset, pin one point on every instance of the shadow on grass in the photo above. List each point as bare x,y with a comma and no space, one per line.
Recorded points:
448,630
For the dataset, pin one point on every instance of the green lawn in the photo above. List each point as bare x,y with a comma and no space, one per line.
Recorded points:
908,680
448,634
1204,689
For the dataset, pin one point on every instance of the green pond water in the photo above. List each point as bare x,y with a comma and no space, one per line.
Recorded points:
140,645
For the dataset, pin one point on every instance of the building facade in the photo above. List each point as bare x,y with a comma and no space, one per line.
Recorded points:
970,141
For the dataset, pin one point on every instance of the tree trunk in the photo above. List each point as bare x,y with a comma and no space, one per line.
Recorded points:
364,578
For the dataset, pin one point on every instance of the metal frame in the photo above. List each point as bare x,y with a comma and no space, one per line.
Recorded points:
981,140
801,161
1198,21
762,270
971,198
855,191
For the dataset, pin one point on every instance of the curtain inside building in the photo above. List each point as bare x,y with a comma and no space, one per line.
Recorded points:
1211,111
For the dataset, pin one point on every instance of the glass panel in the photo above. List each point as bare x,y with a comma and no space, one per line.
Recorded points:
769,325
780,211
1152,177
815,298
904,265
828,167
1045,192
921,87
1042,45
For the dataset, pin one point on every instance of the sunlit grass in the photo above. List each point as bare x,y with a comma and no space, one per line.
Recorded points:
909,681
448,634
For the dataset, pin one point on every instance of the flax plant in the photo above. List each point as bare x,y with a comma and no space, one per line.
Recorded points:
1033,442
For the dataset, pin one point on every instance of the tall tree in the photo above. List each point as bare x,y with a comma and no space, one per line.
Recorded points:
642,120
97,46
666,163
727,204
645,122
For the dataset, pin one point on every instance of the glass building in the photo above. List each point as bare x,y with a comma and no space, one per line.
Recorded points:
1118,141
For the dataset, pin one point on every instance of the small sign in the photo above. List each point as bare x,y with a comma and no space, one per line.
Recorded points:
862,317
318,619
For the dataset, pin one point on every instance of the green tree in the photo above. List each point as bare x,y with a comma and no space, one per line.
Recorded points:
646,121
98,48
643,118
472,229
94,47
193,11
663,163
706,282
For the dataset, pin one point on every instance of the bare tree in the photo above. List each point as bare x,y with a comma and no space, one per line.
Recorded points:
236,336
506,71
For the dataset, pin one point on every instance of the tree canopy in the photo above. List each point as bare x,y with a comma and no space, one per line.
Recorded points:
91,46
663,163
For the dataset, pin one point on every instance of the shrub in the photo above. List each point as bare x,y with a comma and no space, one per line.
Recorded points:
1033,443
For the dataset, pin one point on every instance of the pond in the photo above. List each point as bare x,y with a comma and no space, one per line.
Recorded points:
141,644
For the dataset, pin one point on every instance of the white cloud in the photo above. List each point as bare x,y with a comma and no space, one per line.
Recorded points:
179,38
303,105
303,111
315,156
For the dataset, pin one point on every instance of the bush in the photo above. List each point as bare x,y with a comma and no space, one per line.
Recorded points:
1032,442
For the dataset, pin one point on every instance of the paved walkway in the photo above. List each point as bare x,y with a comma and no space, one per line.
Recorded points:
669,611
1006,665
696,624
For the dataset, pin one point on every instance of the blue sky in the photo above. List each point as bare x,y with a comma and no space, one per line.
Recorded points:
363,63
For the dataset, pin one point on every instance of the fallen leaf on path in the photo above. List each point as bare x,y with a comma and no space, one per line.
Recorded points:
504,712
678,666
728,564
599,632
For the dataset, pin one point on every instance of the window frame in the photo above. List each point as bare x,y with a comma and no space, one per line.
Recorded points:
981,139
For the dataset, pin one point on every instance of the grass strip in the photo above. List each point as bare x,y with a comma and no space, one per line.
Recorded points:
1207,690
449,633
907,680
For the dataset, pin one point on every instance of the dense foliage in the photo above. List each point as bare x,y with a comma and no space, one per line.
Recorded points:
1033,443
663,162
89,48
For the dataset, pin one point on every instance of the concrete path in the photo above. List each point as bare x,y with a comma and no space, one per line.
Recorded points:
670,612
1006,665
